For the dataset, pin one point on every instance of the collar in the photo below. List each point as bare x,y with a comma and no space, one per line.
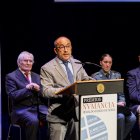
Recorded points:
24,71
105,72
61,62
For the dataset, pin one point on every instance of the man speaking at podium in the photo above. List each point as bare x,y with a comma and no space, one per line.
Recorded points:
125,118
56,75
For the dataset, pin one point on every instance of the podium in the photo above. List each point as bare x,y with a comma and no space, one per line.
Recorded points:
97,108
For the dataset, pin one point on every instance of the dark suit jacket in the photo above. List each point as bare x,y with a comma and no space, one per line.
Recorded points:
22,98
133,86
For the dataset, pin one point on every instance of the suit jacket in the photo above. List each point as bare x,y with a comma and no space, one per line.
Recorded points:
133,86
23,99
54,79
113,75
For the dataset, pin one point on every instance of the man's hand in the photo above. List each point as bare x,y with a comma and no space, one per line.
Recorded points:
33,86
121,103
138,109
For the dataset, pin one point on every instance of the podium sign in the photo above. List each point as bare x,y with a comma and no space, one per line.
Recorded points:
97,107
98,117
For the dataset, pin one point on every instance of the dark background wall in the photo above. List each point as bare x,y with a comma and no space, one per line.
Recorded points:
94,29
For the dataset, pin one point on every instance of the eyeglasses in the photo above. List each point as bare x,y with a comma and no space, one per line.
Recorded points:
62,47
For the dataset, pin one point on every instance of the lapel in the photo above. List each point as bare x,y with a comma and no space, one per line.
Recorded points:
103,77
33,77
20,76
60,70
112,76
138,77
76,68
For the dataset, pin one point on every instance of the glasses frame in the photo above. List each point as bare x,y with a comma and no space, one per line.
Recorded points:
63,47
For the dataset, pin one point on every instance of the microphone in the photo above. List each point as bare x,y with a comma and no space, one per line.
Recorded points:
79,63
89,63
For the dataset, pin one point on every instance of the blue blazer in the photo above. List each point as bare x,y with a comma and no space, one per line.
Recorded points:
133,86
22,98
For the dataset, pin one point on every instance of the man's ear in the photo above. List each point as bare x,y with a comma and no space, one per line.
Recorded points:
55,50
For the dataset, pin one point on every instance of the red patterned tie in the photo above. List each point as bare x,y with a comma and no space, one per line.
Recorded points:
27,76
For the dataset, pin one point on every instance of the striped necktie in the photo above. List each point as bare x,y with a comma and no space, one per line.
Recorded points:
27,76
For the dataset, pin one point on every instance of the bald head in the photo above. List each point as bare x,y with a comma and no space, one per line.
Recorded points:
63,48
61,40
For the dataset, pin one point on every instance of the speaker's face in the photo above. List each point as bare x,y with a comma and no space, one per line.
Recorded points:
63,48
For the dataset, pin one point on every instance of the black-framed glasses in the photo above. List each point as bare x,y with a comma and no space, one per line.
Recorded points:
62,47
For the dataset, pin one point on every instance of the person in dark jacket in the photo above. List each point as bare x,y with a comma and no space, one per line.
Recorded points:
25,94
133,86
124,123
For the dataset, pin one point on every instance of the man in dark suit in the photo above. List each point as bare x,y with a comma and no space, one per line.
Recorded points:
25,93
55,76
125,122
133,86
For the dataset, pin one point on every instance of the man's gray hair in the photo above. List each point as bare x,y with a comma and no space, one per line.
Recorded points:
22,55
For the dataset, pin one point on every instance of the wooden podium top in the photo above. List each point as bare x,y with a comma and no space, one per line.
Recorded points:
94,87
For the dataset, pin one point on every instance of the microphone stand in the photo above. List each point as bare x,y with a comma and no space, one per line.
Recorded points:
89,63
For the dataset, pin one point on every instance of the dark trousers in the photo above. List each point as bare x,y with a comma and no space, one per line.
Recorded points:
31,122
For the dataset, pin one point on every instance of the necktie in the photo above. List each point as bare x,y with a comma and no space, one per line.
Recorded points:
107,76
27,76
69,74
